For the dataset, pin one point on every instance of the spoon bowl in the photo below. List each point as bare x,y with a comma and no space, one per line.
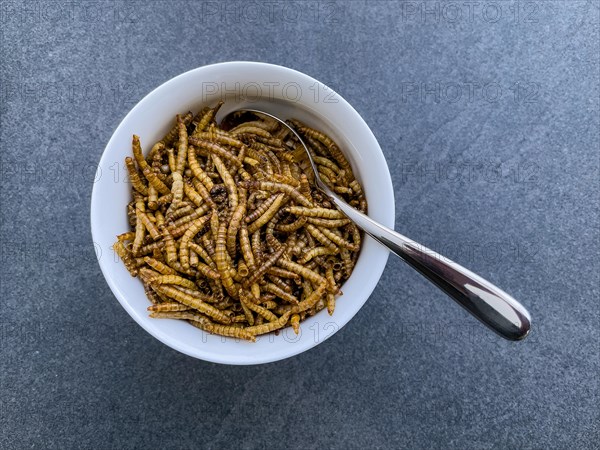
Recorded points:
488,303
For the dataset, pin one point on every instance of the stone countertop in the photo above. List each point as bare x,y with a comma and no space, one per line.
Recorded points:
488,116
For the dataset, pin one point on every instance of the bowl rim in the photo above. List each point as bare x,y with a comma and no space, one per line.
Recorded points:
376,269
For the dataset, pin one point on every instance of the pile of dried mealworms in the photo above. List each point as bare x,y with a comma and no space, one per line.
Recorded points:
228,233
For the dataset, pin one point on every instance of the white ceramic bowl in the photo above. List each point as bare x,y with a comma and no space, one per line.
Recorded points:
283,92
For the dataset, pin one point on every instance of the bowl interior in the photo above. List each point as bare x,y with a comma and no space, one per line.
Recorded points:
282,92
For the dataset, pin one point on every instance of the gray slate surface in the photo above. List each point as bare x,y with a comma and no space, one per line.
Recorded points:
504,179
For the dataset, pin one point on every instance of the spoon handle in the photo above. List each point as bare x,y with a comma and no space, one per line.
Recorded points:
488,303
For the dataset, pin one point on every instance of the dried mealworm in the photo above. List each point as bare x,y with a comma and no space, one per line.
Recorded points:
282,273
249,304
267,215
268,327
339,241
159,266
214,328
152,198
185,209
328,223
333,149
198,172
155,181
173,133
172,162
192,194
150,227
169,242
295,322
300,270
286,180
139,227
137,152
260,209
208,271
216,150
193,229
182,146
168,306
283,285
149,248
177,191
273,289
235,223
311,300
228,181
207,119
221,260
203,191
320,236
245,308
202,253
175,280
242,269
316,251
126,258
330,303
129,236
134,177
278,187
291,227
260,271
194,302
246,248
323,213
330,279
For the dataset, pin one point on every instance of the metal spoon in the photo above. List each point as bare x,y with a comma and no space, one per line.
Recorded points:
488,303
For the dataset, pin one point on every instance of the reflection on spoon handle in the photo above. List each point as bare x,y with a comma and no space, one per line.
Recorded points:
492,306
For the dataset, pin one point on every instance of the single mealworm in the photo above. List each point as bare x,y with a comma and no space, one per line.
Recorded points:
264,312
246,248
322,213
260,271
216,150
193,229
206,325
295,323
194,302
267,215
235,223
134,177
168,306
221,260
159,266
268,327
126,258
228,181
278,187
339,241
173,280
